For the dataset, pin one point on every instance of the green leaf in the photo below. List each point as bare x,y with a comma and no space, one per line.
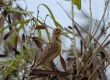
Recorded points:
36,22
56,23
39,33
11,25
15,35
10,9
48,35
78,2
66,35
74,2
11,66
48,10
52,16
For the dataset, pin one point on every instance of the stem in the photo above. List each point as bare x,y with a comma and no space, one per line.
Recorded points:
74,41
90,16
90,30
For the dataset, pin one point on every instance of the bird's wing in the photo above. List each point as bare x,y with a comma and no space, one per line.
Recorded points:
50,49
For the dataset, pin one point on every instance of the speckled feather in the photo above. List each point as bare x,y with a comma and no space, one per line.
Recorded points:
52,50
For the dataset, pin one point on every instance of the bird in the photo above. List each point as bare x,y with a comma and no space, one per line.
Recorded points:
51,51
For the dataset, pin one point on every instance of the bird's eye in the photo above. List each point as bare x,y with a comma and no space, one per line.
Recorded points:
56,29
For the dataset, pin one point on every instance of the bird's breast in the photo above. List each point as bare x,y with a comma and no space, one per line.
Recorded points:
58,51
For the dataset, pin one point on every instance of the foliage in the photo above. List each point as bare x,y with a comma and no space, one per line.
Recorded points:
11,66
22,54
77,3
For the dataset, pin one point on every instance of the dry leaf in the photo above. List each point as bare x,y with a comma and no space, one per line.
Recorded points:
23,37
63,63
9,33
16,52
16,42
2,19
40,27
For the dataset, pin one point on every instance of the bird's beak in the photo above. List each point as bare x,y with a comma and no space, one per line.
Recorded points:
62,29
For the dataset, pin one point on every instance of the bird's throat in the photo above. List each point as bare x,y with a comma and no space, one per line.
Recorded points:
58,39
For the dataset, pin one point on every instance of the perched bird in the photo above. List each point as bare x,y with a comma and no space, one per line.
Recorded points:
51,51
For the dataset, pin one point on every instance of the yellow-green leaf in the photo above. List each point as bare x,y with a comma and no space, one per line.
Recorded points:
52,16
20,27
13,24
39,33
74,2
78,3
19,11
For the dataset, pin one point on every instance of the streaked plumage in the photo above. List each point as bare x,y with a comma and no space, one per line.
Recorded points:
52,50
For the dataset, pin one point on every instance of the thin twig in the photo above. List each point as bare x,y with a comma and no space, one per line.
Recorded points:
96,51
78,35
9,66
94,27
82,28
103,33
22,43
74,25
98,24
90,29
97,67
90,16
101,18
74,41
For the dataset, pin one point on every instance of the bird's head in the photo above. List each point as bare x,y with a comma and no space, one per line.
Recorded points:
57,31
